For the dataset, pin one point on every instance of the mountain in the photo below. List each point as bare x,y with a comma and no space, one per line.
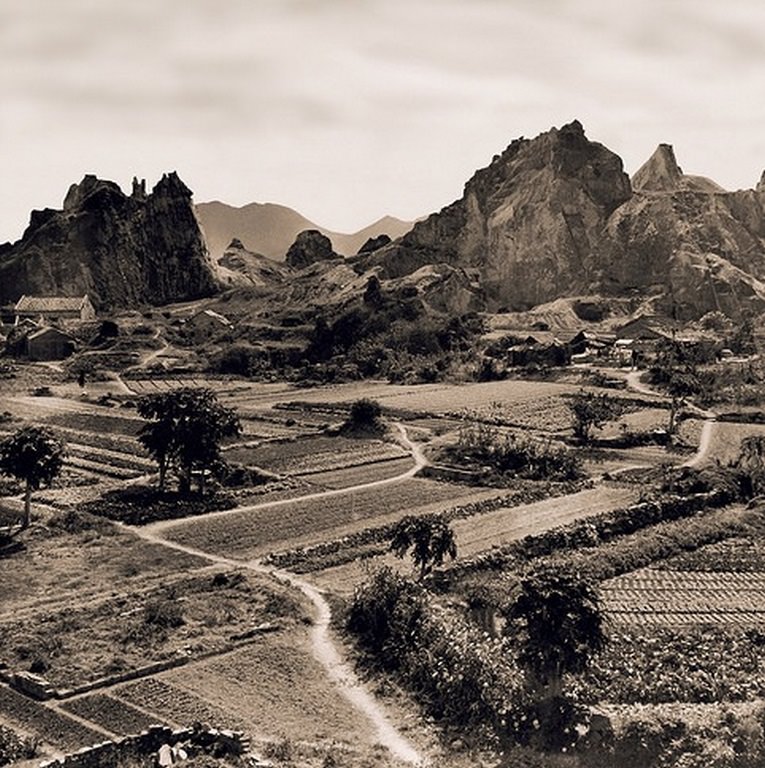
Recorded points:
270,229
556,216
123,250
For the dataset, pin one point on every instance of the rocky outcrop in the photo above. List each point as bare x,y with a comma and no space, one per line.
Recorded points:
122,250
239,267
374,244
310,247
556,217
531,223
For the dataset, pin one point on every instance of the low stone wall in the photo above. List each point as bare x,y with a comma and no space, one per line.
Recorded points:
146,743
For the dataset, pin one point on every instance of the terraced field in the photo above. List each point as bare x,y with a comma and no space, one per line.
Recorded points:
651,597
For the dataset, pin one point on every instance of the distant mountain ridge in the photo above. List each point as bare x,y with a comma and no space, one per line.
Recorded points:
270,229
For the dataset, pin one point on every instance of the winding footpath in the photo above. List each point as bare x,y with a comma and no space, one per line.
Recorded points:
325,650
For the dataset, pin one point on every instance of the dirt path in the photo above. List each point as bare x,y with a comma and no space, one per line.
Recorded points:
324,648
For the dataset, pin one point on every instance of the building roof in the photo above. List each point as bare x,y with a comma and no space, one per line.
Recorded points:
213,315
50,303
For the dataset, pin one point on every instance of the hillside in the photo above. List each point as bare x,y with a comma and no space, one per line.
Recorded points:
556,216
123,250
270,229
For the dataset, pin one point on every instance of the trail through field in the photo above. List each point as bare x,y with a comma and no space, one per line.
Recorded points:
634,383
324,649
414,449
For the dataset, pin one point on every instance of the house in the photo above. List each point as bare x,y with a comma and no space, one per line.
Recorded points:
533,352
208,323
591,343
54,308
49,344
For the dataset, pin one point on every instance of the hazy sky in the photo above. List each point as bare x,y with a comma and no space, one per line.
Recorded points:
350,109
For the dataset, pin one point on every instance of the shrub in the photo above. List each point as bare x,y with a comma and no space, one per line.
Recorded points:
164,612
14,747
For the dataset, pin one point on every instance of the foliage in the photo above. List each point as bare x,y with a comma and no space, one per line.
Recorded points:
364,416
34,455
751,464
590,411
184,430
240,359
430,540
557,627
14,747
508,453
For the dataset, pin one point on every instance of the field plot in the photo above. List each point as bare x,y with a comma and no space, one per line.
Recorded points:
274,688
170,702
251,533
726,440
51,727
66,569
111,714
652,597
182,619
365,473
152,386
314,454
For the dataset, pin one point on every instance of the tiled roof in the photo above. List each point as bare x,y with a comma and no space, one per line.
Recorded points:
47,330
50,303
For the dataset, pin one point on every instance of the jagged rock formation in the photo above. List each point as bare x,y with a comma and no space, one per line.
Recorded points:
121,250
556,216
374,244
239,267
530,225
310,247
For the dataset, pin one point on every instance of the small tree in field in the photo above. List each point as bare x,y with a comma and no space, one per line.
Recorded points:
431,540
557,625
751,463
184,431
590,411
35,456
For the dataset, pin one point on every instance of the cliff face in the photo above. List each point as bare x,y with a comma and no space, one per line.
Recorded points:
529,224
122,250
556,216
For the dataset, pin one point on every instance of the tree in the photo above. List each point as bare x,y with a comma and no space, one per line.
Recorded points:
589,411
364,416
557,624
184,431
34,455
682,384
430,539
751,463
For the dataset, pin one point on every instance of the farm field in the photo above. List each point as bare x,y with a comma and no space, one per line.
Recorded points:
184,617
489,530
726,440
111,714
246,534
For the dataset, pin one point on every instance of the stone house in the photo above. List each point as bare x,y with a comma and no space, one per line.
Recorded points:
51,309
207,323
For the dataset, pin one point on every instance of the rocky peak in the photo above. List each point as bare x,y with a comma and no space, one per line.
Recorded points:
122,251
235,244
309,247
660,173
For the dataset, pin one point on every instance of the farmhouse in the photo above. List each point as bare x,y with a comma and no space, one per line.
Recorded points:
49,344
54,308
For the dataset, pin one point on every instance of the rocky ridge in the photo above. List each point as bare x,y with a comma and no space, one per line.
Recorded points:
123,250
556,216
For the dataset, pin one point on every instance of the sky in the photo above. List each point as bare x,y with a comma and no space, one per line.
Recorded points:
348,110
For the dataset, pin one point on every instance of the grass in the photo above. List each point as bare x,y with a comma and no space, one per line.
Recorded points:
187,617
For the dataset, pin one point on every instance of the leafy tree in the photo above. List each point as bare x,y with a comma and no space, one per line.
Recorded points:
557,624
184,431
34,455
430,539
751,462
590,411
364,416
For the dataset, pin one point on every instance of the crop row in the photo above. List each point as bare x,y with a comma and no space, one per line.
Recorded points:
110,458
176,704
101,468
110,713
252,532
52,727
108,441
96,422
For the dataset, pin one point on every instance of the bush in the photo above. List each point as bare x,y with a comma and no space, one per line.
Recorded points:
163,612
14,747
